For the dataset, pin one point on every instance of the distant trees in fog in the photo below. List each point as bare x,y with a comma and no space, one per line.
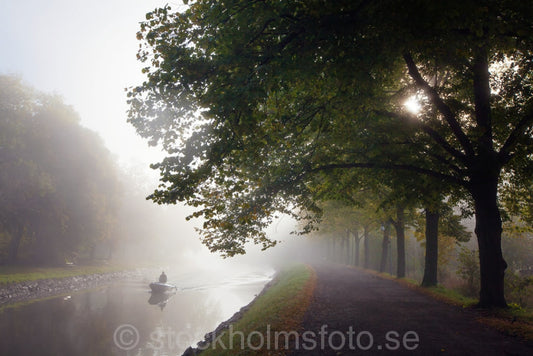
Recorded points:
59,188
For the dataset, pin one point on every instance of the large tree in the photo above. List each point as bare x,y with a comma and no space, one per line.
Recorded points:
254,99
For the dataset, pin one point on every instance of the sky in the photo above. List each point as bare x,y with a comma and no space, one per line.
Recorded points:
85,51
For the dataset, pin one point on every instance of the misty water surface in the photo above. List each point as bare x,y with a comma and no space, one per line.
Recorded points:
126,319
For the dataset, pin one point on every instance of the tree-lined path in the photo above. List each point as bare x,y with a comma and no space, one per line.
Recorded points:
387,318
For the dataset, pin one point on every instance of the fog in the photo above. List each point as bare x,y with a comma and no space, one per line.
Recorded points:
86,54
161,236
66,198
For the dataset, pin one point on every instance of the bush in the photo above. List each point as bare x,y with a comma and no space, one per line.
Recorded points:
468,270
519,289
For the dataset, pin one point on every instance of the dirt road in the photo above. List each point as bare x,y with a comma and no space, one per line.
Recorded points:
356,313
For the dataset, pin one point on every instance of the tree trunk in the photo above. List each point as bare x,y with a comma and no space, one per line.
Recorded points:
14,244
385,247
366,246
349,253
399,226
432,249
489,231
340,250
485,171
356,240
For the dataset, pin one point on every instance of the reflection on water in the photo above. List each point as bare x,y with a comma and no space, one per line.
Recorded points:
125,319
160,299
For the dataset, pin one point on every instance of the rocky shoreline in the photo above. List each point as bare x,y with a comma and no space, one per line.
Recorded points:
23,291
211,336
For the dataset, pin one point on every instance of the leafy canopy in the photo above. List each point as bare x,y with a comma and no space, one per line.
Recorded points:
254,101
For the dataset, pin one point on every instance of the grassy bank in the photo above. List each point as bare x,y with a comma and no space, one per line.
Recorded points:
280,309
445,295
513,321
17,274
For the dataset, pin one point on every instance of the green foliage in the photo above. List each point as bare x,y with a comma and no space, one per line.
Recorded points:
450,225
468,270
517,247
353,214
59,187
519,288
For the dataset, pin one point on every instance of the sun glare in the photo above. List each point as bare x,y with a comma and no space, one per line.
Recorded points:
412,105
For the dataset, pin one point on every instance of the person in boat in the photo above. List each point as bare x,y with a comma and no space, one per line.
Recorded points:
163,278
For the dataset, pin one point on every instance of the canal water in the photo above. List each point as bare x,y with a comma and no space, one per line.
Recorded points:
126,319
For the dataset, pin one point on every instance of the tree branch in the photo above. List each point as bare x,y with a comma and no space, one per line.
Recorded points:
446,162
505,152
404,167
444,109
482,98
441,141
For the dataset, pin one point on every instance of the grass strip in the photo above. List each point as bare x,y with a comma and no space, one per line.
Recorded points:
17,274
276,314
445,295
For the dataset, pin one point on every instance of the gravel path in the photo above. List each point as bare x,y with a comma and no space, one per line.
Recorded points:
356,313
